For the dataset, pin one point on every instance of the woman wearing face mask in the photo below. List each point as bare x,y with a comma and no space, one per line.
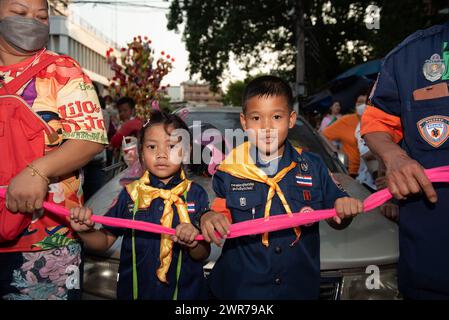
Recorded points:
50,126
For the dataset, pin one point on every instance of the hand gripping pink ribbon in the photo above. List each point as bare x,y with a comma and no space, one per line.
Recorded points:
256,226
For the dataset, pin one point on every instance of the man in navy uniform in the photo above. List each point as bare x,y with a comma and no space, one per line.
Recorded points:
407,126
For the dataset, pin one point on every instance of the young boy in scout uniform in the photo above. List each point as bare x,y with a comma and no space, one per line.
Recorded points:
263,177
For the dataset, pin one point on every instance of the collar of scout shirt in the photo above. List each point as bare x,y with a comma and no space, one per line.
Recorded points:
177,178
240,164
143,193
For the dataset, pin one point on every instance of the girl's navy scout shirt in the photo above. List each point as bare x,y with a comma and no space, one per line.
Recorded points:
191,281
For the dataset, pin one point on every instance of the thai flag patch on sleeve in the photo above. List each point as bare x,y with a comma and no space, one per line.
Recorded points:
304,181
191,207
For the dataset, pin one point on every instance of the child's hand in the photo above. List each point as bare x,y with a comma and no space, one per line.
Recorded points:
80,219
347,208
211,222
185,235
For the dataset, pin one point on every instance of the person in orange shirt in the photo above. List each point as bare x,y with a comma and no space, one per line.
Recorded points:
343,130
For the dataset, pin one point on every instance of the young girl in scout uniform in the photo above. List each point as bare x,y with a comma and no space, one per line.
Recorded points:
263,177
156,266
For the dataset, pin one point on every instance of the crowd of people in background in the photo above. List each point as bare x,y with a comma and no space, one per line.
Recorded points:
121,122
342,131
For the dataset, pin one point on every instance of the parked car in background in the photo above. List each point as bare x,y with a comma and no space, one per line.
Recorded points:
368,248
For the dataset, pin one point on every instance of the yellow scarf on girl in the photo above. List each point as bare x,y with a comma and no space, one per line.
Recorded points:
143,194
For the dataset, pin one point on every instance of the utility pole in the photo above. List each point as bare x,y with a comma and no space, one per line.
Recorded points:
300,87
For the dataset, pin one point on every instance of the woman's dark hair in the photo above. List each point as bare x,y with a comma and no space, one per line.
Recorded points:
167,120
329,110
126,100
267,86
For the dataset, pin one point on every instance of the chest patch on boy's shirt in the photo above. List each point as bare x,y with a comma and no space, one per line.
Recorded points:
191,207
304,180
245,186
307,210
307,195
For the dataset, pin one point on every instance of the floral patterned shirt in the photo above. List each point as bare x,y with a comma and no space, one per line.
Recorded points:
65,98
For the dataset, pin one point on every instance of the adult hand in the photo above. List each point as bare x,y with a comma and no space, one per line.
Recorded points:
26,193
406,176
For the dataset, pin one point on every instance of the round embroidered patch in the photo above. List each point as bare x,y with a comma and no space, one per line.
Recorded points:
306,210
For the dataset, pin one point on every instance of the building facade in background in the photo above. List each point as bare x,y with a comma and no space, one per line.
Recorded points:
200,94
72,36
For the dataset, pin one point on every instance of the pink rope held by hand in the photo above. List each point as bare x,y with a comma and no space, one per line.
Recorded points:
250,227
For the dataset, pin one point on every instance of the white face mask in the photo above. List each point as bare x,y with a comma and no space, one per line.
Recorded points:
361,108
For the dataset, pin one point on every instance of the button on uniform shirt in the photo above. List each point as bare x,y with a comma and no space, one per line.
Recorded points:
418,119
191,281
246,268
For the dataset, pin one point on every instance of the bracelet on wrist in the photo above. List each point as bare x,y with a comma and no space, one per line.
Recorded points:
35,172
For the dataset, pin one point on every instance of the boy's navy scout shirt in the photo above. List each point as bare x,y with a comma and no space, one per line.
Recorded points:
191,281
419,119
246,268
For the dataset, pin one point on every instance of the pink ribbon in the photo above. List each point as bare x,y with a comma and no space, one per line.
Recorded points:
256,226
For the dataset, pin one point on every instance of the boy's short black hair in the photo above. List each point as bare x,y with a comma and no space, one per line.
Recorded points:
267,86
126,100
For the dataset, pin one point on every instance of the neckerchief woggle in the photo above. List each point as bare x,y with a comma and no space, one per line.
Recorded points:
250,227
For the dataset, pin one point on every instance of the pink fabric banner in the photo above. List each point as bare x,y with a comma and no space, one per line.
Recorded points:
256,226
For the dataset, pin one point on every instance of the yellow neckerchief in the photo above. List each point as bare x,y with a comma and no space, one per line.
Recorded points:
240,165
142,193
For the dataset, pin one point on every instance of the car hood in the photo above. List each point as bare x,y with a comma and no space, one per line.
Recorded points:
370,239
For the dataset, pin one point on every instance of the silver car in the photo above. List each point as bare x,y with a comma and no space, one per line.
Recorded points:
356,263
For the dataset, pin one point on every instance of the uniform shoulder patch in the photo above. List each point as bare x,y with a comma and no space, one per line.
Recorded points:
434,130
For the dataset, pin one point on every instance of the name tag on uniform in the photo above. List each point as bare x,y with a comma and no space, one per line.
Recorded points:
245,186
439,90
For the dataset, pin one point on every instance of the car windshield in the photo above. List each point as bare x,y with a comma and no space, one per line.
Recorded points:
302,135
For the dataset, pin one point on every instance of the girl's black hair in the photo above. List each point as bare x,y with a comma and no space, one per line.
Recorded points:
166,119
